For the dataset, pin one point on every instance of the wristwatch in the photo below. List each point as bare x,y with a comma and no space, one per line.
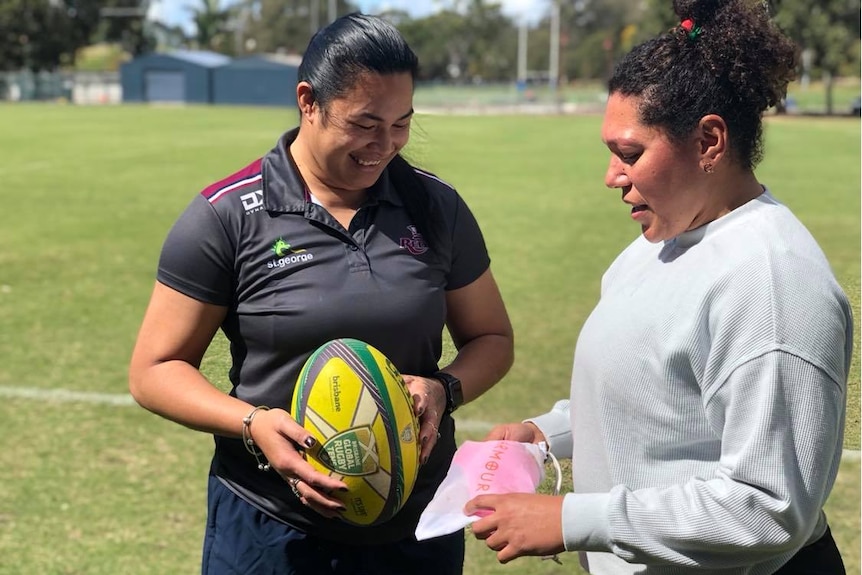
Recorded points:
452,387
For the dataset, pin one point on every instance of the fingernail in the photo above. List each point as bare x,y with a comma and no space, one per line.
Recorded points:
309,441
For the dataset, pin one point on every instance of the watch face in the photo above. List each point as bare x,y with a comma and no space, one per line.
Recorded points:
452,385
454,395
457,394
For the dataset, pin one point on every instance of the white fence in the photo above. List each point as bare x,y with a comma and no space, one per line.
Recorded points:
75,87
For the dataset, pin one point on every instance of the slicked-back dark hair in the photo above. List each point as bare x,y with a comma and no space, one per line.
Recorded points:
335,58
734,62
338,53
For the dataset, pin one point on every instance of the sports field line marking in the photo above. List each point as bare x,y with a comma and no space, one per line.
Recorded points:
124,400
67,396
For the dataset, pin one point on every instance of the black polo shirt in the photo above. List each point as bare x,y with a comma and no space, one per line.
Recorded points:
293,278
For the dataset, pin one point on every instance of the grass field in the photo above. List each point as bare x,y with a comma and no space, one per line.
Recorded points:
807,98
92,484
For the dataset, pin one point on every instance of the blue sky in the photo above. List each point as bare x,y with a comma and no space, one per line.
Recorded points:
175,12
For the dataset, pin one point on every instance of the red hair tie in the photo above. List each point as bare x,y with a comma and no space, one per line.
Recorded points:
692,30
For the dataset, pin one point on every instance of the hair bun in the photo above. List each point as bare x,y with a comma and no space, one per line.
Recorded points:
701,11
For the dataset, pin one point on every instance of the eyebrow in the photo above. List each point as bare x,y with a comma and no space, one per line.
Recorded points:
379,119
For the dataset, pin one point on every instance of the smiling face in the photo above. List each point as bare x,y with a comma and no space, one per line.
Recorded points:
662,181
349,142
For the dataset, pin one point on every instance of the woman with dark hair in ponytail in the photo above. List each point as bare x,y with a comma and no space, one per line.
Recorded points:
706,415
329,235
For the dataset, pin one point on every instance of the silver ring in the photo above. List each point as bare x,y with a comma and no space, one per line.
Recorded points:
293,482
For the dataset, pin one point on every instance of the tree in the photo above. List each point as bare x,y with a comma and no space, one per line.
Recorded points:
595,34
490,42
21,23
828,30
210,24
658,17
471,40
439,44
284,25
126,25
46,34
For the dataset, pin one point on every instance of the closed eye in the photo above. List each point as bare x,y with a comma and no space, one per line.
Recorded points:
373,127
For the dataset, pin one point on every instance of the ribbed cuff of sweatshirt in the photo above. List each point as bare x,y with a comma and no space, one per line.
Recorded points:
585,522
556,425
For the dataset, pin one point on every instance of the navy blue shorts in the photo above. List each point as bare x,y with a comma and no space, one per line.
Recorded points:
240,539
820,558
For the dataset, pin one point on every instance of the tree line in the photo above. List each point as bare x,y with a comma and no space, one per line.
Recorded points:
466,41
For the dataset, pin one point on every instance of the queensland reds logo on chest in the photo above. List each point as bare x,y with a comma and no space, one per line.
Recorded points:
416,243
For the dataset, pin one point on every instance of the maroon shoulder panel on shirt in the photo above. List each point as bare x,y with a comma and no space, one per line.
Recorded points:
249,175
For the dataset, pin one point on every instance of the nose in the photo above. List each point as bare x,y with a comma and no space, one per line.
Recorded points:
387,141
384,140
615,176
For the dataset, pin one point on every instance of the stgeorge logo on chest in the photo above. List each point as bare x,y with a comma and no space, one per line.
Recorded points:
285,255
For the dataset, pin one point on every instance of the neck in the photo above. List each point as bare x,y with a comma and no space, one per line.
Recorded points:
741,189
330,197
725,193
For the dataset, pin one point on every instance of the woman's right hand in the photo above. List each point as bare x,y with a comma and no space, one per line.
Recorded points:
283,441
521,432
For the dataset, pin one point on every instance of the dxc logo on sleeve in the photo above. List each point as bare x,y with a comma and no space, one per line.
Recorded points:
252,201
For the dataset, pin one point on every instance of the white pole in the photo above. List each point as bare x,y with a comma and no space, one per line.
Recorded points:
333,10
522,52
554,60
521,83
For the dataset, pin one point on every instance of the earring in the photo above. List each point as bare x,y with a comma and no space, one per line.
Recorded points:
707,167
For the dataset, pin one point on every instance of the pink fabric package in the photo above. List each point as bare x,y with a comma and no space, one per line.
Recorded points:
480,467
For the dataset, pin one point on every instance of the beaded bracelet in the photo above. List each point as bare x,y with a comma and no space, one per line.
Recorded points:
248,441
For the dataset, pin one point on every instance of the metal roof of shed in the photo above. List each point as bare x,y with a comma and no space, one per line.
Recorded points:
200,57
267,61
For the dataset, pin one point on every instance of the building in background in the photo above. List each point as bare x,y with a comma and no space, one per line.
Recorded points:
181,76
257,80
201,77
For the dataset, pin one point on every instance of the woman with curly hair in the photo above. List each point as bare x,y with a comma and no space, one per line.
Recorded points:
706,415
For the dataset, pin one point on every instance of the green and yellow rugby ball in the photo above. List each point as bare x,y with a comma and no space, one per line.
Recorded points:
355,403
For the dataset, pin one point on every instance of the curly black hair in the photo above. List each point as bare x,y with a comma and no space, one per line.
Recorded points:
730,59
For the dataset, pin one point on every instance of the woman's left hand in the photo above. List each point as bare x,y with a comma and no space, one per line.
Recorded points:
519,524
429,404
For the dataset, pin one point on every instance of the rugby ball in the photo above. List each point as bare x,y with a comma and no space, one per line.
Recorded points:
354,401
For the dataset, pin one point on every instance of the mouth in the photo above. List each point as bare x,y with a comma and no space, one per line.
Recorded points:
366,163
636,208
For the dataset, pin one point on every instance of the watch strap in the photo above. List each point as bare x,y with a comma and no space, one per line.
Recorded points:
452,388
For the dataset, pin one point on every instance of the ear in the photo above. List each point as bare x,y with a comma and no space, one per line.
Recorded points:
305,101
712,139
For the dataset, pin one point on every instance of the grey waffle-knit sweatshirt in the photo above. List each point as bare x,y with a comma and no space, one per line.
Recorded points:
707,405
